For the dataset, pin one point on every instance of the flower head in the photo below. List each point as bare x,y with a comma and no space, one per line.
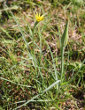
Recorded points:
38,17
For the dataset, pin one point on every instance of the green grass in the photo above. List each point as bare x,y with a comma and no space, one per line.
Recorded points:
30,61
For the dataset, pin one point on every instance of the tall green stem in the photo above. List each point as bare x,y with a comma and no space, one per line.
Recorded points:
64,41
62,62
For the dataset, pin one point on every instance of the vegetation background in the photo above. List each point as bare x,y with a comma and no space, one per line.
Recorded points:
30,59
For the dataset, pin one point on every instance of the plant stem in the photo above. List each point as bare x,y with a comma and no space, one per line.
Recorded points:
34,28
62,62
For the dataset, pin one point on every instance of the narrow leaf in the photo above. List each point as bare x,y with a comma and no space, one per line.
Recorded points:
64,39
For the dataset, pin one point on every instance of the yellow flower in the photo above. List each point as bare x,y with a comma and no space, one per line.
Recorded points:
38,17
